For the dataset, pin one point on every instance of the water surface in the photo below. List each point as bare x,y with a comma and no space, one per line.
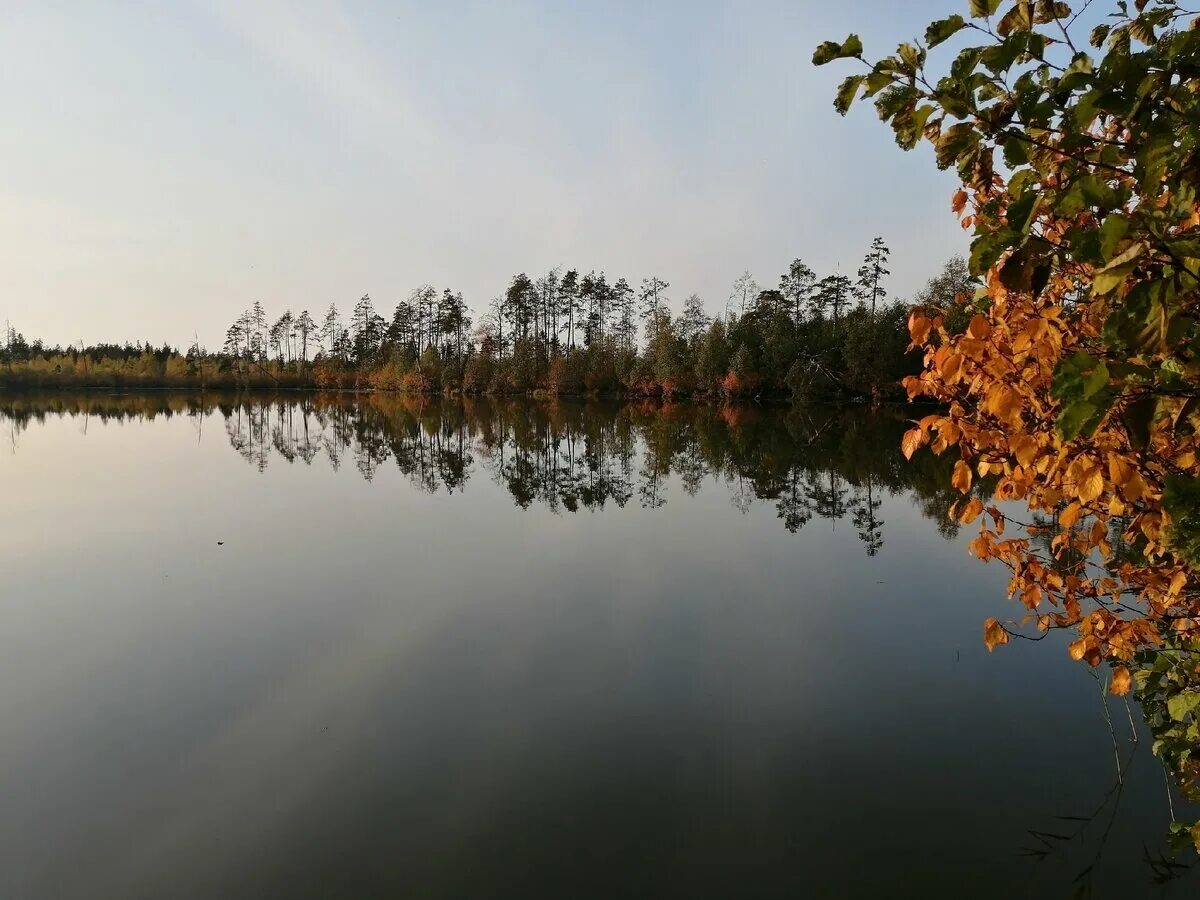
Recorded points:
319,647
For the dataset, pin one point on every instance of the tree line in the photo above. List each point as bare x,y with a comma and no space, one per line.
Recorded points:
562,333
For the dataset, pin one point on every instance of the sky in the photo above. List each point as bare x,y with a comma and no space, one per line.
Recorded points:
165,165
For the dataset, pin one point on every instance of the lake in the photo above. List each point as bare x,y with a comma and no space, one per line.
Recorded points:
319,646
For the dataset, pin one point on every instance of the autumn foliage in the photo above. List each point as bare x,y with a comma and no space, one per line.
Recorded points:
1074,390
1069,384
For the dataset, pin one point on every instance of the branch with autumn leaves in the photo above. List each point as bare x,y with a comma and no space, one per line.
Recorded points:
1074,389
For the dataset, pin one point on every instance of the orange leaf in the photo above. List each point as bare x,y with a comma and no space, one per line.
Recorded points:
1091,482
1120,681
1119,470
919,327
979,328
1071,514
1078,648
1024,448
994,634
971,511
961,480
913,439
1178,583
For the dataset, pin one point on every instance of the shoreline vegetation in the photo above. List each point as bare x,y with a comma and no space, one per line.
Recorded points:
562,334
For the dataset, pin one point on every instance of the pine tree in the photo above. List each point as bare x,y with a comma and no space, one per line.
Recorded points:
797,287
871,274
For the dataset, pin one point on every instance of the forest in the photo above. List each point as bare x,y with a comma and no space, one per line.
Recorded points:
559,334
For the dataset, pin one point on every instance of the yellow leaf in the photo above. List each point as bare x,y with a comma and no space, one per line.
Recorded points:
1024,448
1091,482
1119,470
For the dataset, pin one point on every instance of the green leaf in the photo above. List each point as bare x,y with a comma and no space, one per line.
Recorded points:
896,100
983,8
1181,500
1085,192
830,50
1082,416
1079,377
1000,57
1021,181
1016,152
964,64
1049,10
1019,18
943,29
1081,62
955,141
1081,385
1117,270
1183,704
1154,160
1139,323
1109,280
1099,33
1023,210
1138,416
987,248
1112,230
909,124
1084,244
912,57
847,92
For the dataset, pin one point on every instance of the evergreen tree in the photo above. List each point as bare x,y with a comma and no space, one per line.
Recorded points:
870,288
797,286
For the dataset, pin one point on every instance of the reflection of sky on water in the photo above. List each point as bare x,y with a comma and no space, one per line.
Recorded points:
373,689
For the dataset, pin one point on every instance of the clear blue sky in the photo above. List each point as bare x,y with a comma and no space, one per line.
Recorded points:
166,164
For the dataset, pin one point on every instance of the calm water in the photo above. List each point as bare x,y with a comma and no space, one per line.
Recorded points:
305,647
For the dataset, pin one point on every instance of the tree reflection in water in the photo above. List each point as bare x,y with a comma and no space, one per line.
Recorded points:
808,462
